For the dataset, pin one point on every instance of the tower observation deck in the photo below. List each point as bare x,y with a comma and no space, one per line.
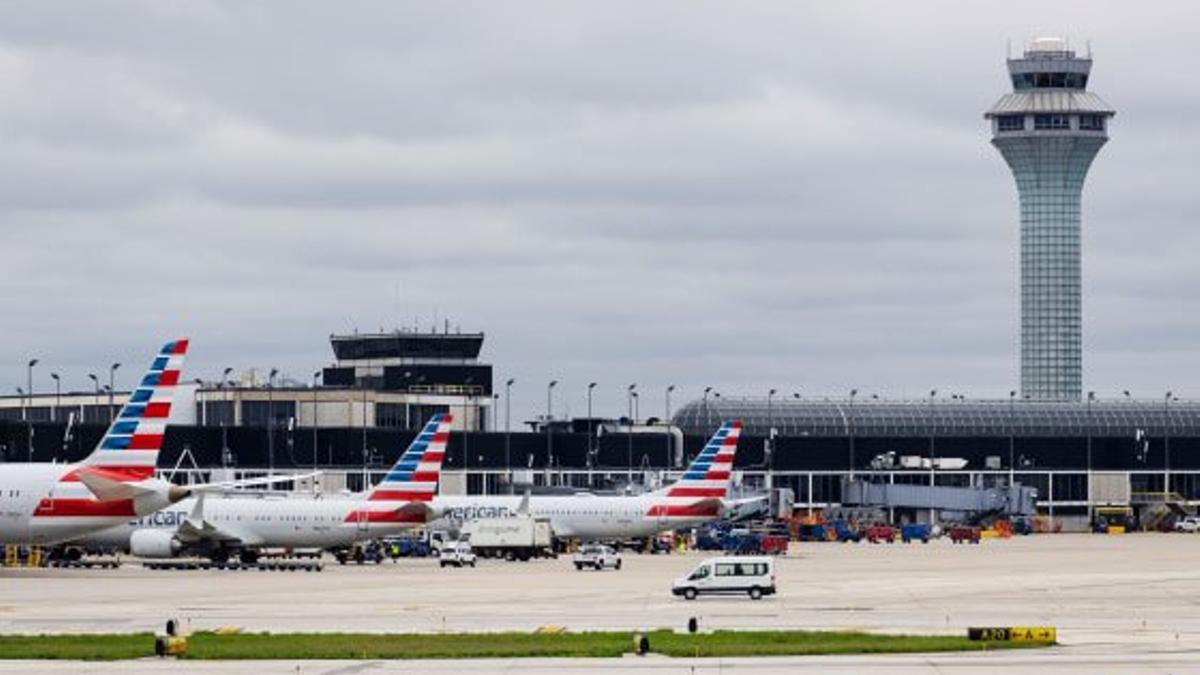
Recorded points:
1048,130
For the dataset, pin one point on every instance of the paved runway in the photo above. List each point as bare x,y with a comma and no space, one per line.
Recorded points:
1112,597
1066,660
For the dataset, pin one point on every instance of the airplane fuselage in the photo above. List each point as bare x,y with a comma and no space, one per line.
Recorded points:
261,522
584,516
37,506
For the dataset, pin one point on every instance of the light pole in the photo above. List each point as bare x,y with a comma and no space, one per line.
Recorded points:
367,374
707,417
203,401
770,427
932,451
1091,396
271,419
57,397
1012,439
29,383
96,381
225,383
495,411
465,436
507,423
549,419
590,449
1167,446
316,421
29,425
112,374
667,423
629,430
853,393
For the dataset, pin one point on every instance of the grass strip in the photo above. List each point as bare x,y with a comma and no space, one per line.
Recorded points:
317,646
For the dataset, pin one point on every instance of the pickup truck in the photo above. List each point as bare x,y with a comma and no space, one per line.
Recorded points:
597,557
456,553
1188,524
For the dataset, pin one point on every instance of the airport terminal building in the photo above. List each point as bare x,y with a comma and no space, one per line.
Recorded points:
360,413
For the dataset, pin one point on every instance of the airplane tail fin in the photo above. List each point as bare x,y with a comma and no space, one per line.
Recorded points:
129,450
708,476
415,475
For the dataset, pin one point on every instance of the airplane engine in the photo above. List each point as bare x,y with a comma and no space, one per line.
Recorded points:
154,544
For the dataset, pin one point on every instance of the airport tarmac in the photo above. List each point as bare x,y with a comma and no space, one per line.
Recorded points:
1111,597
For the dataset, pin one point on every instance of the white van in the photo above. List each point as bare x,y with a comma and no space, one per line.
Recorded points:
754,576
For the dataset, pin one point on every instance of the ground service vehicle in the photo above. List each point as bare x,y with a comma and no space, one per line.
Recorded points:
878,533
962,534
597,557
1188,524
915,532
754,576
520,537
457,554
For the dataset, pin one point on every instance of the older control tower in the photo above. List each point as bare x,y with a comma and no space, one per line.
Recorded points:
1048,130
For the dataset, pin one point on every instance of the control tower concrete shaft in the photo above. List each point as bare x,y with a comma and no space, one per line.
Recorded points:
1048,130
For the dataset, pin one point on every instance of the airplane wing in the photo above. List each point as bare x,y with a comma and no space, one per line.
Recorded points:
195,528
226,486
108,487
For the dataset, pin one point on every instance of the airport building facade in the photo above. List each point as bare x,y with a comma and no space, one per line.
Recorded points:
1078,455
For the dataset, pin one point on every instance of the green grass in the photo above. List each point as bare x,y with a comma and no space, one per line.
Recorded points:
77,647
405,646
295,646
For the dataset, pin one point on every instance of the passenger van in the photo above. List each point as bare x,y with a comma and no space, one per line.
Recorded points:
754,576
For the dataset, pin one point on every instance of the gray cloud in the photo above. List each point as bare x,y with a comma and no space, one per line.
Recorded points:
774,195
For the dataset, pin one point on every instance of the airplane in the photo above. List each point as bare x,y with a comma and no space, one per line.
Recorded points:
698,497
47,503
218,527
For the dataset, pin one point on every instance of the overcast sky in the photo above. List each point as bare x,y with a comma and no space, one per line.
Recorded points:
743,195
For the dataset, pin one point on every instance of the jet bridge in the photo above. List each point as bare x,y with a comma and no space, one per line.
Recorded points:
973,504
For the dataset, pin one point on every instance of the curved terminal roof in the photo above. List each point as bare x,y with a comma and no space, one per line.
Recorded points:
942,417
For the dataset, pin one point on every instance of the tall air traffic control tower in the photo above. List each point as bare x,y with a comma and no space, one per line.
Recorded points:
1049,129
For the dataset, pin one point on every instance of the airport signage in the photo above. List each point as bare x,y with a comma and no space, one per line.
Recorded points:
1014,634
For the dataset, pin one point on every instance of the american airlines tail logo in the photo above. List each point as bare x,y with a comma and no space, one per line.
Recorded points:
414,477
700,491
129,450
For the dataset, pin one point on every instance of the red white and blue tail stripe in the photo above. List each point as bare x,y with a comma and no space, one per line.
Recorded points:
128,452
414,477
700,491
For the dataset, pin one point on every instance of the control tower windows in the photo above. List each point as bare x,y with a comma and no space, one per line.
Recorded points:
1043,122
1091,122
1049,81
1011,122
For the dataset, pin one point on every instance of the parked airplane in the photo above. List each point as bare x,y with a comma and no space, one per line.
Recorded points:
220,526
697,497
44,503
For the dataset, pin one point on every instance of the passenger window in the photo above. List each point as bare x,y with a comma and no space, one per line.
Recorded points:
700,573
